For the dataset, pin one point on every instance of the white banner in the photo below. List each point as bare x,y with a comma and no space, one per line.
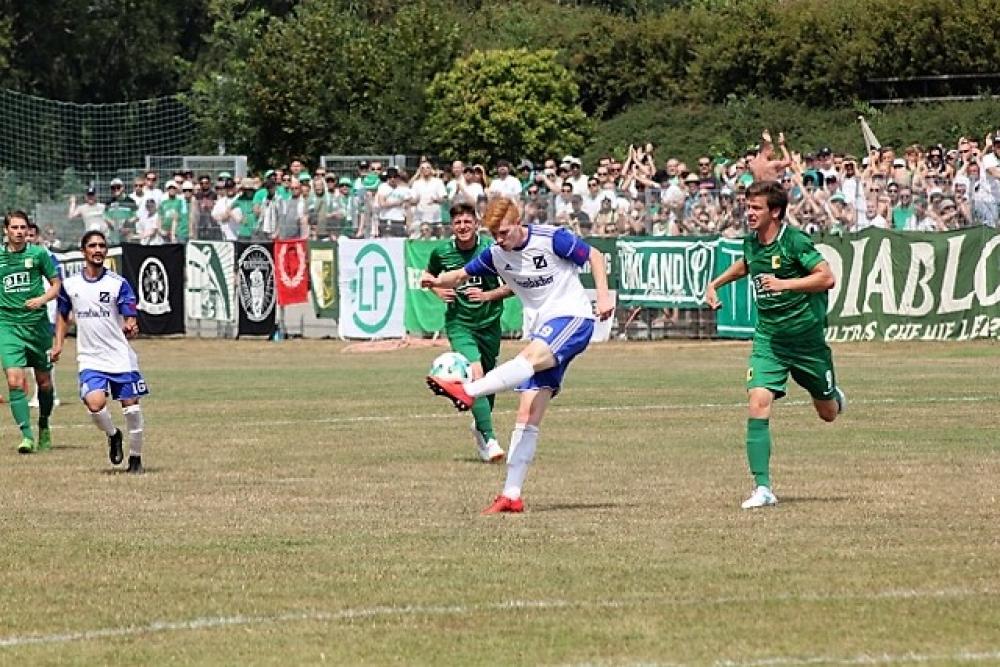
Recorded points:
210,287
372,281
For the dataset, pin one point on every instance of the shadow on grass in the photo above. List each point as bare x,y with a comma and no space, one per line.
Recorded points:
788,500
125,473
569,507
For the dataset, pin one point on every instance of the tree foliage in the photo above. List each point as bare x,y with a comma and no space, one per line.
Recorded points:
505,104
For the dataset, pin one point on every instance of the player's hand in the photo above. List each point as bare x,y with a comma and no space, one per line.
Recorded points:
712,298
476,295
35,304
130,329
427,281
604,307
55,352
772,283
445,294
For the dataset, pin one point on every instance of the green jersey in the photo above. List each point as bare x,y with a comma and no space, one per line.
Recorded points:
791,255
448,257
22,274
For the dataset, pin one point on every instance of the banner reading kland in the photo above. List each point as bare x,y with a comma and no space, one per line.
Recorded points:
665,272
912,286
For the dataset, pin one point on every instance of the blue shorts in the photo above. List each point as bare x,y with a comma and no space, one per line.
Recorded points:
121,386
566,338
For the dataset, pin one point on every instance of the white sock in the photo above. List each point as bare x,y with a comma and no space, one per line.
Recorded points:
133,422
521,453
102,419
505,376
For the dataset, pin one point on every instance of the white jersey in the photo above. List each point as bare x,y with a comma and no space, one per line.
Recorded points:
100,306
543,273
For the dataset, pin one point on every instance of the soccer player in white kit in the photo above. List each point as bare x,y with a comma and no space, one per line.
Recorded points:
540,263
104,306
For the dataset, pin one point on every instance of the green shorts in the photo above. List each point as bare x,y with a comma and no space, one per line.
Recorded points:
26,345
811,366
482,345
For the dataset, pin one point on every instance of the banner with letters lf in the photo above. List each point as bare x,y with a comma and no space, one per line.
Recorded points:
210,285
372,285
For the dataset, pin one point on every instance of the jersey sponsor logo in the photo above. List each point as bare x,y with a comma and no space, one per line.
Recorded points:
541,281
91,313
17,282
539,262
154,287
256,288
700,262
508,268
104,297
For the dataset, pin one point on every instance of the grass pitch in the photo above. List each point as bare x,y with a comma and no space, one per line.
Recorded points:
304,506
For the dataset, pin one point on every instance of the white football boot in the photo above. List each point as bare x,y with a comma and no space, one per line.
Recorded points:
490,450
761,497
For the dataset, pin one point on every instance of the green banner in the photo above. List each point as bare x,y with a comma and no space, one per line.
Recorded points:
425,311
323,279
665,272
736,317
914,286
607,246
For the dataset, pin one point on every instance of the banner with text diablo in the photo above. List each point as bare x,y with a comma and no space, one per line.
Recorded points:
157,275
665,272
291,271
914,286
210,281
323,278
372,281
255,289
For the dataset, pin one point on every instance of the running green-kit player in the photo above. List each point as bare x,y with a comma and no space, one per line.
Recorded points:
472,318
790,281
25,332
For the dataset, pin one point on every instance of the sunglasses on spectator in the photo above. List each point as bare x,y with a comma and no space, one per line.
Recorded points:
151,178
874,189
893,190
704,164
567,190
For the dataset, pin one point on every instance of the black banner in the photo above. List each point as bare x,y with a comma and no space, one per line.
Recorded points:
156,272
255,289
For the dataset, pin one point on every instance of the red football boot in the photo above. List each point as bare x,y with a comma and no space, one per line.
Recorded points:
503,504
451,389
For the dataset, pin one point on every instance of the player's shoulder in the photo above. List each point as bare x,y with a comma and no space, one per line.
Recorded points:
795,237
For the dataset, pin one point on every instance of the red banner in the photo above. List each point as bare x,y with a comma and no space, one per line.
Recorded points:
291,271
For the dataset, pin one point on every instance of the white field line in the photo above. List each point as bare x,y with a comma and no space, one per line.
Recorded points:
380,612
869,659
387,418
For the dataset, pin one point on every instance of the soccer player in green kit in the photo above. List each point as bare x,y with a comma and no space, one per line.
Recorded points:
472,320
790,281
25,332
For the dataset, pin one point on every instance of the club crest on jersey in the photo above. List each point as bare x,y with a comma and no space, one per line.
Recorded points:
29,262
540,262
775,261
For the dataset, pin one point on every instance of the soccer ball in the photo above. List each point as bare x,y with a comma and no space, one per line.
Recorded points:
452,366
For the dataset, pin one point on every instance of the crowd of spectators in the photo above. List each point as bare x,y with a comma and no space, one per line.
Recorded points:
914,188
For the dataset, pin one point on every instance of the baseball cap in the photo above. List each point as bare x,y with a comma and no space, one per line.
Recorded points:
187,185
91,190
839,197
692,178
823,152
304,177
225,174
935,191
525,164
117,181
247,183
171,184
363,163
269,173
899,162
344,180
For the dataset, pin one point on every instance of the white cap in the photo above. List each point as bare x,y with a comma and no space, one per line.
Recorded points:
187,185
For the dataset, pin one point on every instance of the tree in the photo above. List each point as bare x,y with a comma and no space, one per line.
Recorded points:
505,104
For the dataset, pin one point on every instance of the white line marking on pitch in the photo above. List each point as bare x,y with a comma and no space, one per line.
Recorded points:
205,623
868,659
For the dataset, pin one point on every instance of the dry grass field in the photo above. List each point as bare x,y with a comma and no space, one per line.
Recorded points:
304,506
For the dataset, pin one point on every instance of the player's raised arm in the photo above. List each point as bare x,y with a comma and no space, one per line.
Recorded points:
448,279
736,271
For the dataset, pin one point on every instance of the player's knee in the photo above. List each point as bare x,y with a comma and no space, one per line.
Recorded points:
826,412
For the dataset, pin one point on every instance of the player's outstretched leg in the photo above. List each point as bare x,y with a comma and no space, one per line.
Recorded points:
759,448
19,409
134,424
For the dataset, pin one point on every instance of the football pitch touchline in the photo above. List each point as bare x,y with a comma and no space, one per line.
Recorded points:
379,612
364,419
868,659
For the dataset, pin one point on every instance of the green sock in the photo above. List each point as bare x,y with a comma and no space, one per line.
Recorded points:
482,412
759,450
22,414
45,402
